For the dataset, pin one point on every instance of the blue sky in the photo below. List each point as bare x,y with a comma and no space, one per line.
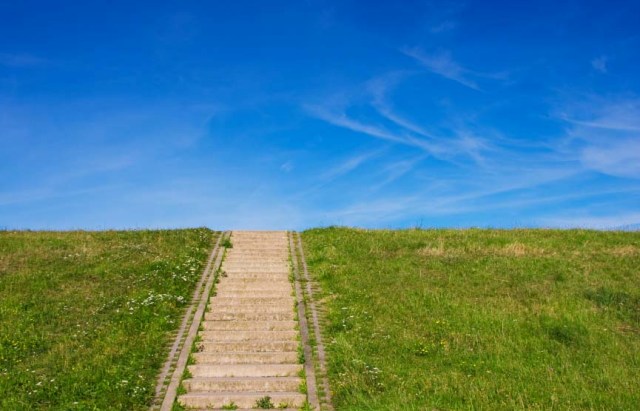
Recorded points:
296,114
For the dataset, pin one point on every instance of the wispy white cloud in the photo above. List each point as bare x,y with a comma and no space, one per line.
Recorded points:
443,148
494,195
342,120
612,113
348,165
605,134
600,64
325,177
455,142
501,178
396,170
463,141
621,158
378,88
92,149
443,64
599,222
443,27
287,166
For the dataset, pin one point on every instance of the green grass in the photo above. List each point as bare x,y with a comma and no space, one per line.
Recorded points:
85,317
480,319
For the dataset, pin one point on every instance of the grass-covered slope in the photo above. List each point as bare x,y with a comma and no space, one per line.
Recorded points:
85,317
480,319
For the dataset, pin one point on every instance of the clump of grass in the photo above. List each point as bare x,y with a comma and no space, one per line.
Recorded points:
226,243
301,357
265,403
623,304
482,319
85,316
231,406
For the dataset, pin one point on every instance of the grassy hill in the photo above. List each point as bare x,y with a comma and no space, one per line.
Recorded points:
85,316
415,320
480,319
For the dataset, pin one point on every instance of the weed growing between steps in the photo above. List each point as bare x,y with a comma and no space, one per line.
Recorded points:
265,403
482,319
85,317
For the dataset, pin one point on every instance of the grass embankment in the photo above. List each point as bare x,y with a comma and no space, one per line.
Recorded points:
480,319
85,317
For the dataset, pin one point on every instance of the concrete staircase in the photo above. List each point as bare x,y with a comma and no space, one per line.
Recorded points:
248,347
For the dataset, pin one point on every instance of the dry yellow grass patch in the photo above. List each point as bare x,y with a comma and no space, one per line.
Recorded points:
625,251
517,249
433,251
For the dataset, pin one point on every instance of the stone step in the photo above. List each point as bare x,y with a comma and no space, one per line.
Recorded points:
257,273
262,240
254,384
249,325
266,309
253,249
221,300
256,262
244,346
244,370
284,288
257,255
253,287
250,307
233,335
248,316
255,293
239,409
244,246
253,265
254,290
257,246
281,276
273,258
260,234
257,278
241,399
254,270
257,259
254,282
235,271
280,237
277,357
